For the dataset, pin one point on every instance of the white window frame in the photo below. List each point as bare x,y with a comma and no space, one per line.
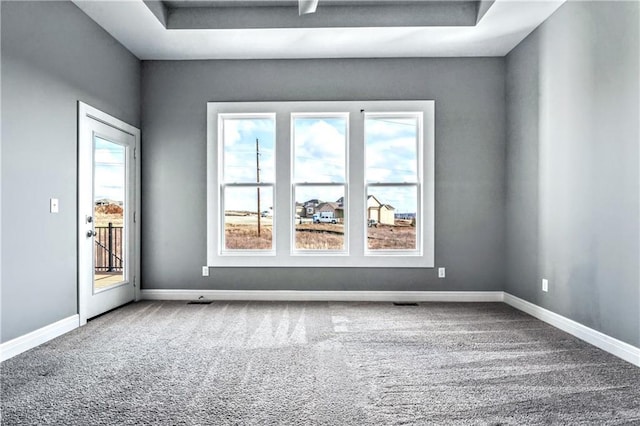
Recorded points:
419,182
223,184
357,255
294,184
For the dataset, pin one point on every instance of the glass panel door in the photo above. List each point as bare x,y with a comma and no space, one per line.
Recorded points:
108,172
109,203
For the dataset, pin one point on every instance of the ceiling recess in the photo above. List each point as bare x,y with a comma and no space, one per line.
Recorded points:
273,29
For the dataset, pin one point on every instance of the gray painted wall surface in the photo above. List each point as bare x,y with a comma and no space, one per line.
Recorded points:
470,159
52,56
572,167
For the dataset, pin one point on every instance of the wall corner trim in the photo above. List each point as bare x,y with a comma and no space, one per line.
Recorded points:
37,337
326,296
600,340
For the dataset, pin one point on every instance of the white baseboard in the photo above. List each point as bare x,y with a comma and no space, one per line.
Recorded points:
607,343
326,296
37,337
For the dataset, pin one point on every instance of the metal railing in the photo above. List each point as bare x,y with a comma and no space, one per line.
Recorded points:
109,248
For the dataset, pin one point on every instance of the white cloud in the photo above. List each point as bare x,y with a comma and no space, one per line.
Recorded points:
391,150
109,173
240,149
320,146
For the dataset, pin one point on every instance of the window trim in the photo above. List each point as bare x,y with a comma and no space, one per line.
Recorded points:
284,254
420,159
223,184
299,184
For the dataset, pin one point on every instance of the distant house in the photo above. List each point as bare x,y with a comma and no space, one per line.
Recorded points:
335,208
309,207
381,213
106,202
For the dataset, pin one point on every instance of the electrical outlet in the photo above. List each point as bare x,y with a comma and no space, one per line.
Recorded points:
441,273
545,285
205,271
54,205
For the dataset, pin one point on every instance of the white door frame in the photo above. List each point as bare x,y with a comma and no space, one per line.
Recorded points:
85,114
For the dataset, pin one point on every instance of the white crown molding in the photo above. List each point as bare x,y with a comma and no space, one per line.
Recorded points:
37,337
600,340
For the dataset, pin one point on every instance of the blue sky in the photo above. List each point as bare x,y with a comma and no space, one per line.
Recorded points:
319,156
109,159
391,157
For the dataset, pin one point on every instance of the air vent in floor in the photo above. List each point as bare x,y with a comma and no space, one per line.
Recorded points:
405,304
199,302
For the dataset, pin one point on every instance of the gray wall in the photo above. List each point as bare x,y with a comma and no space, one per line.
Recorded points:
52,56
470,162
572,167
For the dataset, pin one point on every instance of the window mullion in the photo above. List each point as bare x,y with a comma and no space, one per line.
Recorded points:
357,190
283,196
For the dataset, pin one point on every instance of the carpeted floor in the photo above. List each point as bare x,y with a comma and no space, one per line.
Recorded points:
169,363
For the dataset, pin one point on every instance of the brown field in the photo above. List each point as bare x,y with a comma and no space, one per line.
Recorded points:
109,213
319,236
241,234
245,237
387,237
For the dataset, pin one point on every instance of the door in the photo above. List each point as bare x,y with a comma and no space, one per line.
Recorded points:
107,212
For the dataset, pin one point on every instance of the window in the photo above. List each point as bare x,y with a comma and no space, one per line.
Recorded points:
392,167
342,184
247,181
319,145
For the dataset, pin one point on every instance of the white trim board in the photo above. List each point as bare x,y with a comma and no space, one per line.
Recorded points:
37,337
600,340
326,296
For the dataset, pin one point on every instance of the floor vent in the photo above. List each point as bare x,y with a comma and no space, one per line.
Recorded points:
405,304
199,302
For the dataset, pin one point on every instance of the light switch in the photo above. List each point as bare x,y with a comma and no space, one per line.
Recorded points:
54,205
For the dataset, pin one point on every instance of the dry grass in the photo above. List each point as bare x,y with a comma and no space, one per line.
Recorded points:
319,236
111,213
386,237
245,237
321,228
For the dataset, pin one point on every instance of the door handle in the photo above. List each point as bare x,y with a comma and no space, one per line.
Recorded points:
91,233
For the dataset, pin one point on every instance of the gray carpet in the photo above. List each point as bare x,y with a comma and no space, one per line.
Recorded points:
169,363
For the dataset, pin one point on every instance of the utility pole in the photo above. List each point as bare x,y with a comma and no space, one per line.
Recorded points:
258,180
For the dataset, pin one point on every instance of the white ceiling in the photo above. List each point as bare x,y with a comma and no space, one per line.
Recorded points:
505,24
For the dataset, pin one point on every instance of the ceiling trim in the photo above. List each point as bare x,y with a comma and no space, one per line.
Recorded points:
436,13
505,24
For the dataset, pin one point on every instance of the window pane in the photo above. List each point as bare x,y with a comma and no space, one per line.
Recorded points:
109,191
319,149
391,217
249,149
248,218
391,149
319,219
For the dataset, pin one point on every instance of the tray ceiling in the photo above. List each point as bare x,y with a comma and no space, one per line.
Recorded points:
272,29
